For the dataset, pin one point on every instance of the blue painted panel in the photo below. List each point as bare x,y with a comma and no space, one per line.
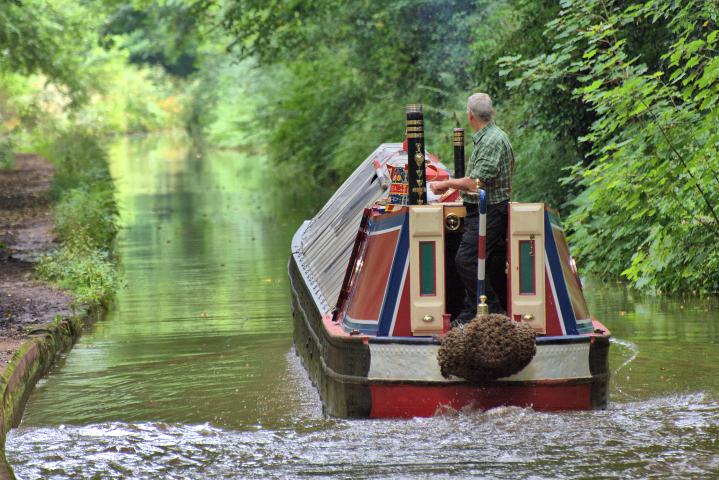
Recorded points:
399,265
565,305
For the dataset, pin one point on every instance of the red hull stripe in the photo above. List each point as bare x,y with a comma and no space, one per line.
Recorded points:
482,247
407,401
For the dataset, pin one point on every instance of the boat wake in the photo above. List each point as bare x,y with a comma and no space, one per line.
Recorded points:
631,350
631,347
673,436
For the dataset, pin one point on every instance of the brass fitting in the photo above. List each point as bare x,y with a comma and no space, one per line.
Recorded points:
482,308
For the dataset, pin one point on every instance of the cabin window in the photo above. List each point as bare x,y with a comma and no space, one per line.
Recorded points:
427,269
527,280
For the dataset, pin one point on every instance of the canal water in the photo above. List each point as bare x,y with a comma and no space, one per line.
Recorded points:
192,373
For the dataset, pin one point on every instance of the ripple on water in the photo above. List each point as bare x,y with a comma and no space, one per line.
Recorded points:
675,436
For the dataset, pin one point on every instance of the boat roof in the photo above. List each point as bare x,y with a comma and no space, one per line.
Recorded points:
326,243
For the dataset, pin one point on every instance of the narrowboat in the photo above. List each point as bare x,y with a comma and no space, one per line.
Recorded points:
374,289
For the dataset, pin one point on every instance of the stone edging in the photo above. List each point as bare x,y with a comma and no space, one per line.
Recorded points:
32,361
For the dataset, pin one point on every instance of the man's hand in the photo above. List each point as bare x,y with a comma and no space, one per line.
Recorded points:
438,188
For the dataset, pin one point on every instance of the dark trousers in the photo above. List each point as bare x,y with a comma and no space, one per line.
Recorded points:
466,259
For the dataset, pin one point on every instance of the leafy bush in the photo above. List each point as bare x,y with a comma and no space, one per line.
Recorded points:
89,274
48,37
7,158
80,160
85,219
648,210
542,159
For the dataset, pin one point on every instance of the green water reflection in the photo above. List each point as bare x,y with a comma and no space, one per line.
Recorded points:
676,342
201,331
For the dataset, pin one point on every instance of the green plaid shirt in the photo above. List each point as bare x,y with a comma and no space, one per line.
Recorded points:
492,162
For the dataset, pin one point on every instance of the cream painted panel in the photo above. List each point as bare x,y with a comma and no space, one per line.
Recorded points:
426,220
392,362
527,223
527,218
426,224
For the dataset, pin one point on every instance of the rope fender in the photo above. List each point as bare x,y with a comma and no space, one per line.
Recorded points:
487,348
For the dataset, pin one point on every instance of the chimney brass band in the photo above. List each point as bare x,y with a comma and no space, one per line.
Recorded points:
458,137
416,169
458,152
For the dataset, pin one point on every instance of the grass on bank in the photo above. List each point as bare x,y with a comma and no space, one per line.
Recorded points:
86,220
7,158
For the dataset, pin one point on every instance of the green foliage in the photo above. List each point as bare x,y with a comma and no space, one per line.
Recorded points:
80,160
90,275
341,73
13,112
317,124
222,102
55,74
542,159
128,98
651,187
234,122
85,219
48,37
7,157
167,33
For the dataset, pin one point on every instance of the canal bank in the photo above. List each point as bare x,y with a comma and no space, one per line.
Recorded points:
30,362
26,233
38,321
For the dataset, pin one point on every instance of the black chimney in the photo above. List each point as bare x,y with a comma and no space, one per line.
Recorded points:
416,175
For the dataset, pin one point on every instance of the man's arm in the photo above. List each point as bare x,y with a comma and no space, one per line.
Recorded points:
465,184
484,164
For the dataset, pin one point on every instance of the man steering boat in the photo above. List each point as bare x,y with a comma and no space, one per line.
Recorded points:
490,168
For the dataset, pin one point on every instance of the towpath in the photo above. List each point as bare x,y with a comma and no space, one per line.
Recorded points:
26,232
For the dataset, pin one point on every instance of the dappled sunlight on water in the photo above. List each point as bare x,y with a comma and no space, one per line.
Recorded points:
192,373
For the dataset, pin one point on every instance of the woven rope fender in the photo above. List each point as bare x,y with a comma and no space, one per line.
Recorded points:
487,348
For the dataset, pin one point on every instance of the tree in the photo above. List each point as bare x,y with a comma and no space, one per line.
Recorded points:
48,37
651,180
169,33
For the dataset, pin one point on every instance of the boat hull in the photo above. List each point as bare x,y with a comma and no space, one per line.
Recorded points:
361,377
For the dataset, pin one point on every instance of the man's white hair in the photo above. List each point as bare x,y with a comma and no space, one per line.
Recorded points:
480,106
